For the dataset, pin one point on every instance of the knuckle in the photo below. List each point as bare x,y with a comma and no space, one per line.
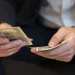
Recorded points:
10,53
69,57
62,29
58,52
7,46
1,40
73,33
17,43
5,54
67,60
45,53
55,37
12,44
1,47
71,43
71,52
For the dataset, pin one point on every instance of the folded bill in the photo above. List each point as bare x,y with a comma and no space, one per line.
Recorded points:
46,48
15,33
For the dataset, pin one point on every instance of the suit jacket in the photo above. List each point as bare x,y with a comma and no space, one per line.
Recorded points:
20,11
28,11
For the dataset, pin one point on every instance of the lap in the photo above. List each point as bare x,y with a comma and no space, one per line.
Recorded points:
41,36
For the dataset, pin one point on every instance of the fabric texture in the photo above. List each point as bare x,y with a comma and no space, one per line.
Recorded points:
59,12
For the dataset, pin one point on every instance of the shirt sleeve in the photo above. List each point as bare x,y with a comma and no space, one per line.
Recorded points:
7,13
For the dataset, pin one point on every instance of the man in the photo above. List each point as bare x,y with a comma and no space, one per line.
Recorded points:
54,14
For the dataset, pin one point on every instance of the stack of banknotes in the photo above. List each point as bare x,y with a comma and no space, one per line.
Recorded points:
15,33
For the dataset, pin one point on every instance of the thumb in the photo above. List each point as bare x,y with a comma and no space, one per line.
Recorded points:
58,37
5,25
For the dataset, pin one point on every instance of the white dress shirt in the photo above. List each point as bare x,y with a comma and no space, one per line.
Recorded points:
59,12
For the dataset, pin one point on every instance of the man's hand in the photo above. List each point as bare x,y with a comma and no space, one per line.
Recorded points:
63,53
8,48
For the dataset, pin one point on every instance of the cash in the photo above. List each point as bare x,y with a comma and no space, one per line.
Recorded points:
46,48
15,33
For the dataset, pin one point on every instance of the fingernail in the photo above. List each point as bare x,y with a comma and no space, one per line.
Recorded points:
51,44
33,50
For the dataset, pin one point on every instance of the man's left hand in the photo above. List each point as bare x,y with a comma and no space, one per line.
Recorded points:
63,53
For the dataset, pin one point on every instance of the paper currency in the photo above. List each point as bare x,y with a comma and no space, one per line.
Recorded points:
31,39
46,48
15,33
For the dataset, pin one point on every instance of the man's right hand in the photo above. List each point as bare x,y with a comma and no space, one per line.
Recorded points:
7,47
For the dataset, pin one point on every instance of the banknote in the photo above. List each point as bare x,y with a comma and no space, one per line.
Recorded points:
15,33
46,48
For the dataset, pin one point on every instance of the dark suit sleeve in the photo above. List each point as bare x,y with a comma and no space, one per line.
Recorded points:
7,13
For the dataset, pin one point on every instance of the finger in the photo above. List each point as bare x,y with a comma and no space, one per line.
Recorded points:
40,53
58,37
33,50
4,40
69,36
68,56
68,45
46,56
64,54
10,52
59,50
65,59
11,45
